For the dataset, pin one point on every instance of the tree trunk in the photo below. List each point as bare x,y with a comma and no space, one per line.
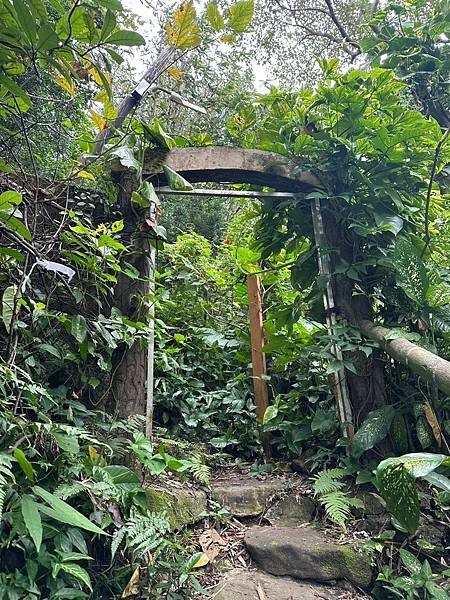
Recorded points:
366,387
127,386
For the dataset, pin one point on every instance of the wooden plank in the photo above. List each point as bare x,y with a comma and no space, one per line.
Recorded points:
258,357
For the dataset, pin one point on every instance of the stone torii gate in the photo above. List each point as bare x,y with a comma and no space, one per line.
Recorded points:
227,165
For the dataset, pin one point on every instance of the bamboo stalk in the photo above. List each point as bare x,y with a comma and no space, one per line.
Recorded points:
430,367
339,381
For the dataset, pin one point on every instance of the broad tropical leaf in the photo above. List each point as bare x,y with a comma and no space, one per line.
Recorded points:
175,181
24,463
32,520
8,306
374,429
398,488
61,511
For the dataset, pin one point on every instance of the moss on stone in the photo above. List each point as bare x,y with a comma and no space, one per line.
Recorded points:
181,507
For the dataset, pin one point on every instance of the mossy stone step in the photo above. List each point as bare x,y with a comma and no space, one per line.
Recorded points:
183,506
306,553
247,496
253,585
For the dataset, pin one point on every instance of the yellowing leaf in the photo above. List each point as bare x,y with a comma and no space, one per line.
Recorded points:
93,454
201,562
175,73
133,585
432,422
228,38
85,175
67,86
98,119
183,31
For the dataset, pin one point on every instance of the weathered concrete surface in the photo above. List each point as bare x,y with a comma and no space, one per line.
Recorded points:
183,506
247,496
305,553
243,585
235,165
291,511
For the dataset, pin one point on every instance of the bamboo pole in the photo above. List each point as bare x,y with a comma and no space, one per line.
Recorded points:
338,378
431,367
153,217
258,357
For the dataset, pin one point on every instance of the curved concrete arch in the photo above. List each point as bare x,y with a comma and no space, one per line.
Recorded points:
222,164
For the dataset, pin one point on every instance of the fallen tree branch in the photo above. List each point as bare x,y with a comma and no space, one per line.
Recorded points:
430,367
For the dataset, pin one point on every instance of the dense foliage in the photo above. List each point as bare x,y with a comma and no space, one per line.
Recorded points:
77,288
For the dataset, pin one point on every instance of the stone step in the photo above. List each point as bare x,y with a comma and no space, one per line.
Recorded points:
306,553
255,585
246,496
278,498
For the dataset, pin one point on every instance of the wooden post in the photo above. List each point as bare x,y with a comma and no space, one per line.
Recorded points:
258,357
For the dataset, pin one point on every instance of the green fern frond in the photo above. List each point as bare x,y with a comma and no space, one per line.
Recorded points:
328,481
3,488
69,490
117,539
337,507
6,476
145,532
200,470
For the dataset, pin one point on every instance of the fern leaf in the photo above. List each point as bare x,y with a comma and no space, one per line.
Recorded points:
200,471
117,539
328,481
337,507
3,488
69,490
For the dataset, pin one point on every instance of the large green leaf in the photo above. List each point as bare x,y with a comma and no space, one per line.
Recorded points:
398,488
78,572
241,15
32,520
61,511
78,328
8,306
125,38
24,463
175,181
374,428
418,464
9,198
411,273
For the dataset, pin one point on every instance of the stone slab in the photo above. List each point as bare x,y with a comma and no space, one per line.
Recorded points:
183,506
247,585
247,496
306,553
291,511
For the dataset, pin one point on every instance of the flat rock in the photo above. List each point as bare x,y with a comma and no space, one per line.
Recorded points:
291,511
306,553
247,496
183,506
247,585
